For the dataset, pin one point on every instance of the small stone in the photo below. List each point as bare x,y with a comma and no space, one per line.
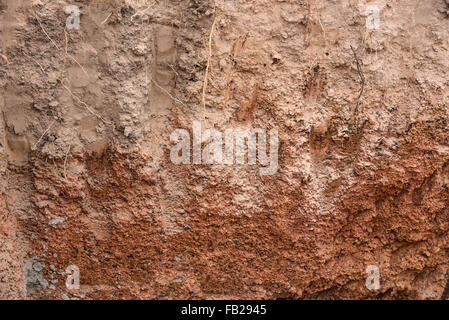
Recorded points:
54,222
140,49
178,258
54,104
223,64
38,267
276,56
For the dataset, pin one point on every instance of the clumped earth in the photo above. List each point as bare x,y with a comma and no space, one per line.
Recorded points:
87,181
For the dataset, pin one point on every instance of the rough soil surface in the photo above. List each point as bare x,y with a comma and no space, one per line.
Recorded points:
86,177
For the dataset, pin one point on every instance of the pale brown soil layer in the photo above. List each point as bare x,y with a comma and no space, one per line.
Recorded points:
86,177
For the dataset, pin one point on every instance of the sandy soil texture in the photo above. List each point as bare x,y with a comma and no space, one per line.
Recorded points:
358,92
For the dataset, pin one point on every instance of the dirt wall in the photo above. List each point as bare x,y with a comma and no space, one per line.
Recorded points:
359,103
